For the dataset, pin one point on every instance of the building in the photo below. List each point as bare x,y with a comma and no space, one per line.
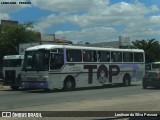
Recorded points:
8,23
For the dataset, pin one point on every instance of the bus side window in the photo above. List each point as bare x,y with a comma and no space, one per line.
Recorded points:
89,56
103,56
127,57
85,56
116,56
74,55
69,58
138,57
57,61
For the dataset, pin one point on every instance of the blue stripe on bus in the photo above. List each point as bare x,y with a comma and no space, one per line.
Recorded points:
35,84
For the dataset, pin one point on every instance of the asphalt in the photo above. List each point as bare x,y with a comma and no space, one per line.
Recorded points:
136,102
129,103
3,87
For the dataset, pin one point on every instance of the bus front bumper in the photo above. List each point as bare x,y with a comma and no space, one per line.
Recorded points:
35,84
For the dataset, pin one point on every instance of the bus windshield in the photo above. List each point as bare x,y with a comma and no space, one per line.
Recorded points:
36,60
12,63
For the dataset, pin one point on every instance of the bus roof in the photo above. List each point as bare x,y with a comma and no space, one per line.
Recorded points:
49,47
13,57
153,63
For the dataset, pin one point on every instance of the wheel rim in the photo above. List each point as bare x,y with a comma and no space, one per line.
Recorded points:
69,84
126,81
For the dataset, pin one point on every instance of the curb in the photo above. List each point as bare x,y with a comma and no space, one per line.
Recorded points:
4,87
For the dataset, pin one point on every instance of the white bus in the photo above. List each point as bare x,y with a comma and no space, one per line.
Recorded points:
12,65
152,66
68,67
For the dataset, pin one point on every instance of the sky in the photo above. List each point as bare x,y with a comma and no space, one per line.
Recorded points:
88,20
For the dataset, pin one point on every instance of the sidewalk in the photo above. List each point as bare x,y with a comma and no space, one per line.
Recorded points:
3,87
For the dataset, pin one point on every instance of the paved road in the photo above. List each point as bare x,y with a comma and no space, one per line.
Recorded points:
26,98
116,98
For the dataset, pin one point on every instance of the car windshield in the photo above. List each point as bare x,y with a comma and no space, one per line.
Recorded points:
12,63
36,60
151,74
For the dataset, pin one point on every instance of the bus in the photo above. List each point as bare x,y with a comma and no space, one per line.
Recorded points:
12,65
152,66
68,67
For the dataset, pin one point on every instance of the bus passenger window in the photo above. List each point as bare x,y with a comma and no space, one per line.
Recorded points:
116,57
138,57
103,56
57,61
89,56
74,55
127,57
85,56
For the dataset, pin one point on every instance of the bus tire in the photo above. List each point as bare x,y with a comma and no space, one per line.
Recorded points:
126,80
69,84
15,87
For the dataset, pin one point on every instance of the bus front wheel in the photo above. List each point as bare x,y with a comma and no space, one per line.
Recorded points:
69,84
127,80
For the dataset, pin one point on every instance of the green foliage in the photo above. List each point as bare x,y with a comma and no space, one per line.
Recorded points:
151,48
12,35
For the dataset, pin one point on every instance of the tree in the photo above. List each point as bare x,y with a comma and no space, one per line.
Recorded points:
151,48
12,35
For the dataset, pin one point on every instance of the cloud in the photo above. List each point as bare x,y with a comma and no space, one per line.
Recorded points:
48,22
97,33
100,20
67,6
116,14
154,8
4,16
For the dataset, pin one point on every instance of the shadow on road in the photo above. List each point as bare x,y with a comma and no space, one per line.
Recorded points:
77,89
153,88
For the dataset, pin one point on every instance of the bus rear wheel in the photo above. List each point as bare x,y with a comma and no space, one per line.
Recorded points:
69,84
126,80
